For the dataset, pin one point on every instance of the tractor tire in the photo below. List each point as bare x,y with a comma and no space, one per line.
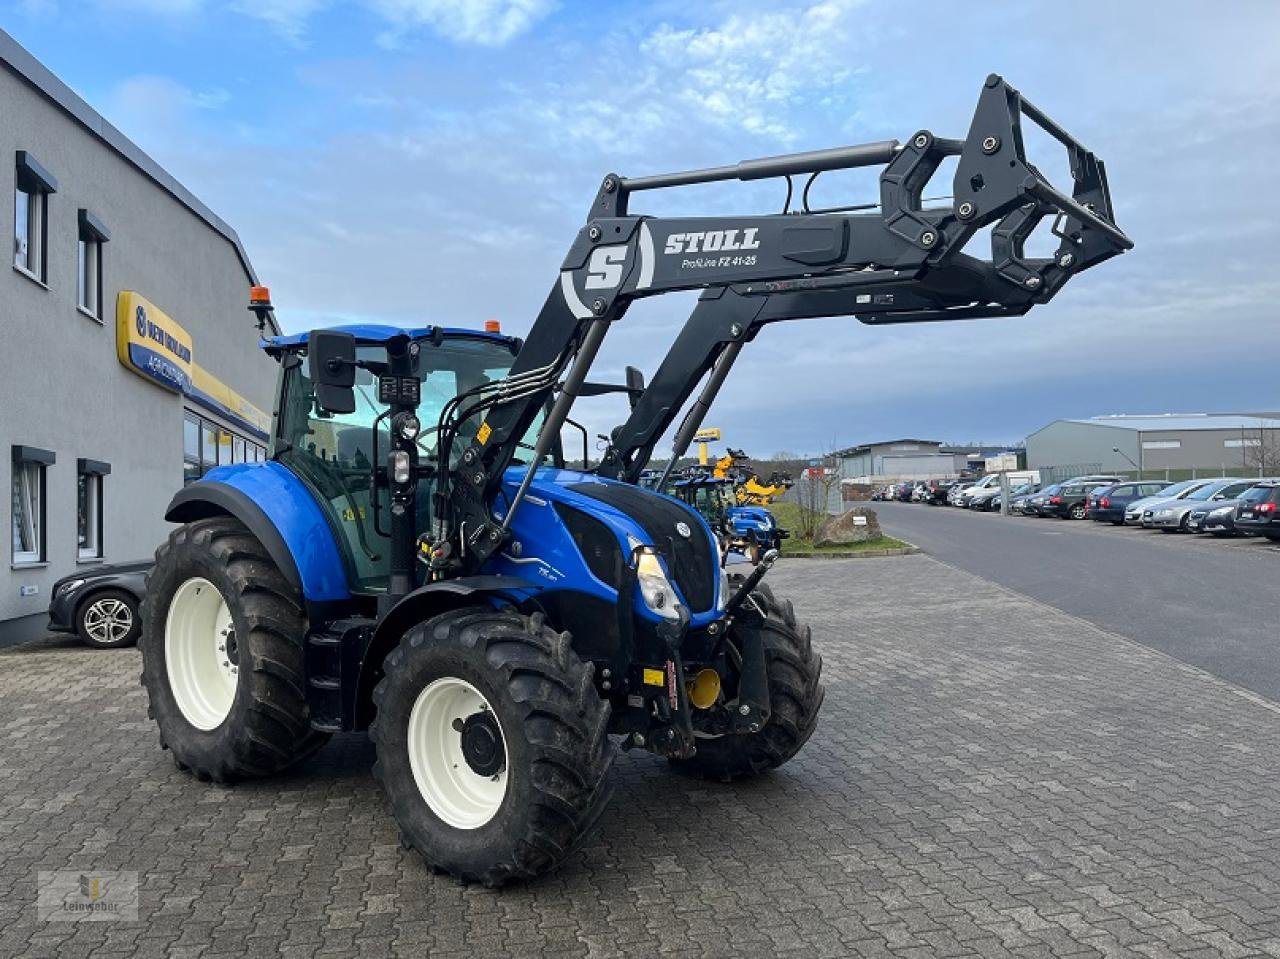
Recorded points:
222,655
492,745
795,699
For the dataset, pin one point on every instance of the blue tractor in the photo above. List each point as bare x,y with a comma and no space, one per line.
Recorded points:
414,559
751,531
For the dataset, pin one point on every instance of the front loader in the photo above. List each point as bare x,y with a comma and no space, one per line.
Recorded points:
415,560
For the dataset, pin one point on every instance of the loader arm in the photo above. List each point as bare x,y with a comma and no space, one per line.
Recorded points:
898,263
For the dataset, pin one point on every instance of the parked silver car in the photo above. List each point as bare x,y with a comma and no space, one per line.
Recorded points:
1219,517
1171,516
1133,512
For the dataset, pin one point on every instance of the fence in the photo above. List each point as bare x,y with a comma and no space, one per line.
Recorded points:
1058,474
822,494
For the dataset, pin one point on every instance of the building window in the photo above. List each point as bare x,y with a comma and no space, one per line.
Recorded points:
33,184
89,477
89,264
1241,444
1162,444
27,504
206,445
190,449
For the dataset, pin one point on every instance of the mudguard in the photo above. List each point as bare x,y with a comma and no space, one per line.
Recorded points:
279,510
419,606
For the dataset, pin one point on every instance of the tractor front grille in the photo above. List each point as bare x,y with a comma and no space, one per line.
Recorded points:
692,562
596,542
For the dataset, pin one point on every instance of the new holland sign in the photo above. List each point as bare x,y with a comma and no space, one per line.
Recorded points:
151,344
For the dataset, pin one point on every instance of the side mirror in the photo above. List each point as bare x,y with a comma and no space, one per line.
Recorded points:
333,370
635,385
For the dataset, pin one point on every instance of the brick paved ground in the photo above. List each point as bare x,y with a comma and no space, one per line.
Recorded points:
990,778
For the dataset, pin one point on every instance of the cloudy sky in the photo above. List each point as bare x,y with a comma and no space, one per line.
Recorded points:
414,161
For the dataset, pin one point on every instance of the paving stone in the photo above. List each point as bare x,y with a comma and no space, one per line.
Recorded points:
990,777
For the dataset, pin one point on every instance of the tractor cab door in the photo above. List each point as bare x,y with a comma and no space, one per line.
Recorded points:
333,454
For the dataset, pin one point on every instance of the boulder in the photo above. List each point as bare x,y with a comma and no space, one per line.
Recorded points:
857,525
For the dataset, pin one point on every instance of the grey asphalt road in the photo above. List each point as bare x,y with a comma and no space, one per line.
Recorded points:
1208,602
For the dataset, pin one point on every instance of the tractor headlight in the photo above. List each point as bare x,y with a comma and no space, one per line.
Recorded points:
659,595
400,467
722,600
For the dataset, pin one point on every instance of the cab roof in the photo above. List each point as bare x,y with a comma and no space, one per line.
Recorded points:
375,333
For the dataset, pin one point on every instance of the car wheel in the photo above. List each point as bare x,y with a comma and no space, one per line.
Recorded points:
108,620
1079,511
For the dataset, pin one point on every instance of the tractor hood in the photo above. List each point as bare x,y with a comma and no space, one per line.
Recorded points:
600,522
752,516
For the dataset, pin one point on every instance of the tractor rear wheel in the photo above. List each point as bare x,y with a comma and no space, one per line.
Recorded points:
492,744
222,655
795,699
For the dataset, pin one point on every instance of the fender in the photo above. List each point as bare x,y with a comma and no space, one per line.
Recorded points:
279,510
419,606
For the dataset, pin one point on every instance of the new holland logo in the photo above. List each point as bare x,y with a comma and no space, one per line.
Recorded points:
140,319
712,241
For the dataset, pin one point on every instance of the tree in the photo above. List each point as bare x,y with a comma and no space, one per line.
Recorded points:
814,488
1262,450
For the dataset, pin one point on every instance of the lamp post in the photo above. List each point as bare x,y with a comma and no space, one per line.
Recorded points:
1116,449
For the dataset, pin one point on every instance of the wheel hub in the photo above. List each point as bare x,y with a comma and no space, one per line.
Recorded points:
202,673
457,753
482,744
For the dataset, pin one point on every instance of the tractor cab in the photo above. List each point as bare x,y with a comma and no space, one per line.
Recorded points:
341,456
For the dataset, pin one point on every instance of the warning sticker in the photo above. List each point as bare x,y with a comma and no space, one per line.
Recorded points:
482,434
655,677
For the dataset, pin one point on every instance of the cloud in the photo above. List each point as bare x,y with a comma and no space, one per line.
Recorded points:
753,70
174,9
485,23
288,17
426,186
165,117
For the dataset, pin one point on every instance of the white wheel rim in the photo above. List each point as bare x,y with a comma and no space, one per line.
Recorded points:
452,789
202,673
108,620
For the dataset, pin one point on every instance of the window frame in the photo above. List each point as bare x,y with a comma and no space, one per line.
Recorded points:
93,473
35,183
229,447
89,256
25,458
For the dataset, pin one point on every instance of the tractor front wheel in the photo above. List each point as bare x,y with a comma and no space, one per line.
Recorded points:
492,744
222,635
795,699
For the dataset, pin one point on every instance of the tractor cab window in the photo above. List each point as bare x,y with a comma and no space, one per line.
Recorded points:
335,454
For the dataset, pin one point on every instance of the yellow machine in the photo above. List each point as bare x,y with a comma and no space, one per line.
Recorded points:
755,493
749,489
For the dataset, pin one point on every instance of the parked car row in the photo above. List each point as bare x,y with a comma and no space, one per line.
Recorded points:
1221,506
